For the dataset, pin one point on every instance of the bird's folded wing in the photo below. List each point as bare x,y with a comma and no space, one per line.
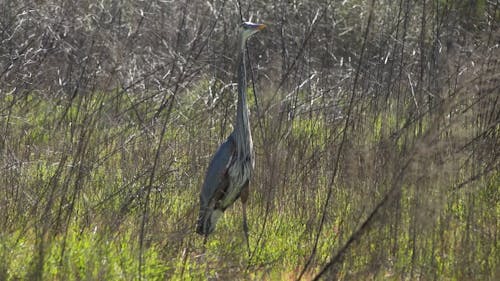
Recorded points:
216,179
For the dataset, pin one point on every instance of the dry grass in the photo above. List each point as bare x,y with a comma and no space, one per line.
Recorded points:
376,131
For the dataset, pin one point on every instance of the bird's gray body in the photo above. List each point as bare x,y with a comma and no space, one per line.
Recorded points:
231,167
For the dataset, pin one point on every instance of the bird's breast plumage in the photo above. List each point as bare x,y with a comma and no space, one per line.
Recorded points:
239,174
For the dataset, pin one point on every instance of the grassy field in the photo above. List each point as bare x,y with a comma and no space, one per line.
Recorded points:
376,130
79,203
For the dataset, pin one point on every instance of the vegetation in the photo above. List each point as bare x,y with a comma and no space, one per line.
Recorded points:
376,129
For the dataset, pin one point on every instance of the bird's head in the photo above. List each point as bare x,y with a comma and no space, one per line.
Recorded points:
248,29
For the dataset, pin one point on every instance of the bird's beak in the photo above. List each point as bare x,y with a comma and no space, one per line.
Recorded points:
261,26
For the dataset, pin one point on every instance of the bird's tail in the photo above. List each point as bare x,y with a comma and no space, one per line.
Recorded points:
207,219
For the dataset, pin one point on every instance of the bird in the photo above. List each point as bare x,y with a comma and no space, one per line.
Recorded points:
230,169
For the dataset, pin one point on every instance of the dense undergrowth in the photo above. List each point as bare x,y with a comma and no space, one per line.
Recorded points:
74,205
375,125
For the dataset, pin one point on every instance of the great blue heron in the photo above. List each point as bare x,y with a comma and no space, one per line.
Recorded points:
231,167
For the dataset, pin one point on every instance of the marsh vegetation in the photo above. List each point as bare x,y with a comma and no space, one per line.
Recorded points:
375,125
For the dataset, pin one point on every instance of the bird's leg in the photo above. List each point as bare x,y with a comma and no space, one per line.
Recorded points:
244,198
204,256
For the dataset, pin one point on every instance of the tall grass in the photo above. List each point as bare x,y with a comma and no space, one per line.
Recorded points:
375,128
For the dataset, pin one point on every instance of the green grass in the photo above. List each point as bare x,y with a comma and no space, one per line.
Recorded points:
76,204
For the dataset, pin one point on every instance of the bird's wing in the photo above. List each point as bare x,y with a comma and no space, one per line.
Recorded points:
216,179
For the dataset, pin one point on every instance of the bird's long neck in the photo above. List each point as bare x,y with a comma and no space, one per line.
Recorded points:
242,131
242,121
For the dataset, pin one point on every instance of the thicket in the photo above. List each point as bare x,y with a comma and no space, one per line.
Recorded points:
375,124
